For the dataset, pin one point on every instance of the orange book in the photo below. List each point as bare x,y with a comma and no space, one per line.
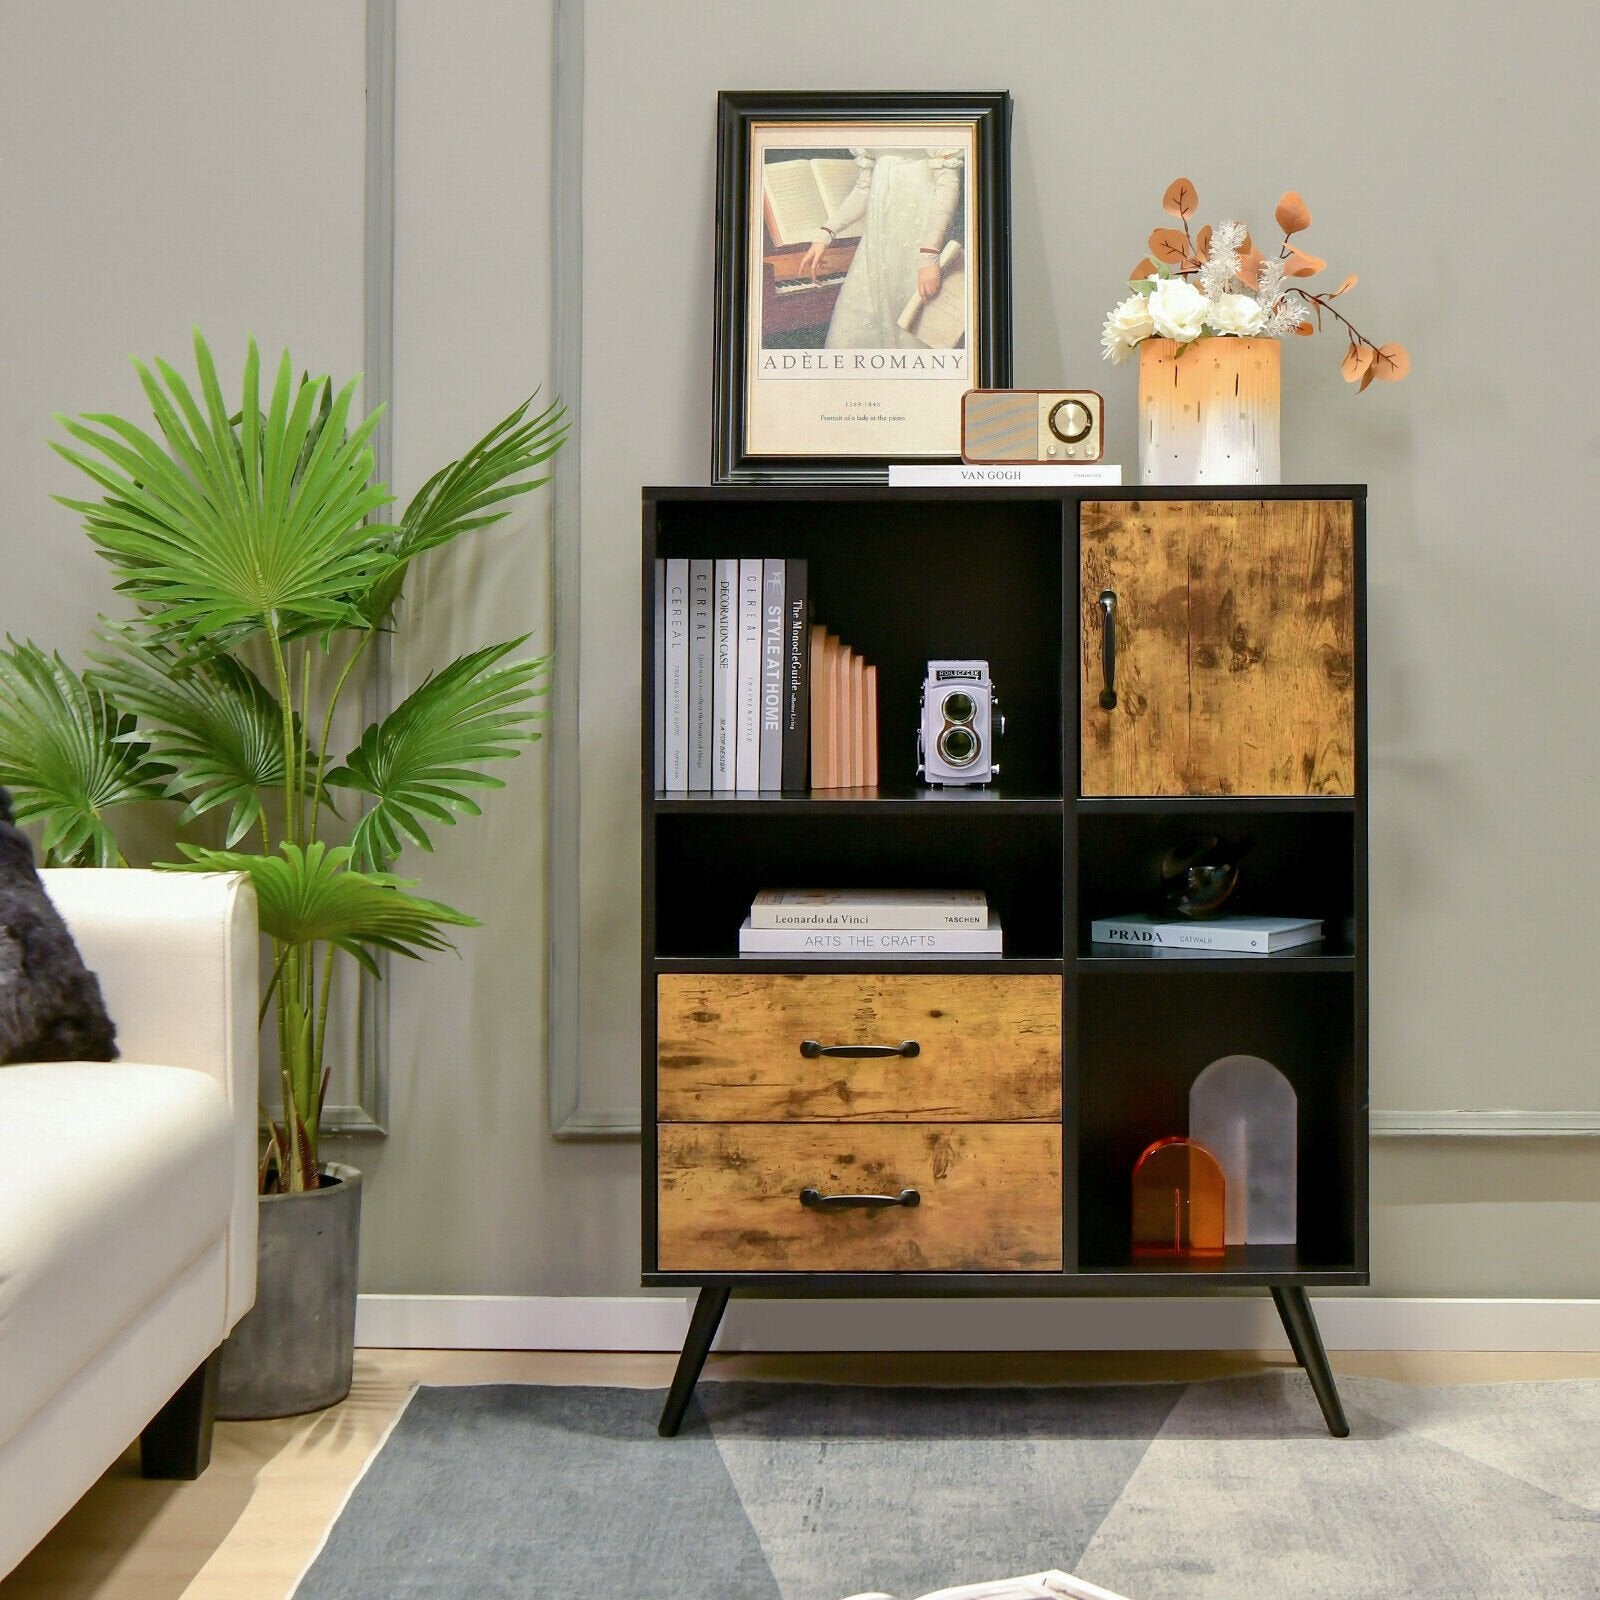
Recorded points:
819,706
844,775
858,721
831,669
872,727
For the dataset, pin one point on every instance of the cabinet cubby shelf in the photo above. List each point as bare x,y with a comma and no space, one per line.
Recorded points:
663,965
1297,961
882,801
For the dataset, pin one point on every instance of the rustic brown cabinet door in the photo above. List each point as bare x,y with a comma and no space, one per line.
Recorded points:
1230,664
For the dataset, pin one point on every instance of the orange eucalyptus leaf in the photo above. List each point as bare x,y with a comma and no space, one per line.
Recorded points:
1367,377
1145,269
1300,265
1169,245
1180,199
1349,283
1202,242
1357,362
1393,362
1250,264
1292,213
1304,329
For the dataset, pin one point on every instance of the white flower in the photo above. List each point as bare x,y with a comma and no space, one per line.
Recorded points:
1127,324
1235,313
1178,310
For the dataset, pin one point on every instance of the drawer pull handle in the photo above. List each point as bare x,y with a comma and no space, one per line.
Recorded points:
810,1049
815,1200
1108,649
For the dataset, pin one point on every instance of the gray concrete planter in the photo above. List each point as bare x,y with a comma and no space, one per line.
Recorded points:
294,1351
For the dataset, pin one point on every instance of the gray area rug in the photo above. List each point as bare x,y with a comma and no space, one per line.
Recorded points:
1224,1490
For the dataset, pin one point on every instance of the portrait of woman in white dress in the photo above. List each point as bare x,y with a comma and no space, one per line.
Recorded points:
906,206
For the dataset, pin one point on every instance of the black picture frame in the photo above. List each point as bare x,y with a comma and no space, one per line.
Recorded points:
742,442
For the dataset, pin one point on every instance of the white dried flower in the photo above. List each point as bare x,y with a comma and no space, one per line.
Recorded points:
1127,324
1221,265
1286,316
1269,289
1178,310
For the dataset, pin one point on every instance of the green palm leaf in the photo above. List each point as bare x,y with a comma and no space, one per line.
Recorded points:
313,895
67,753
416,763
212,721
223,529
470,493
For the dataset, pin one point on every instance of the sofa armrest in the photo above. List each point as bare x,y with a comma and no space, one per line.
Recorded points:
178,958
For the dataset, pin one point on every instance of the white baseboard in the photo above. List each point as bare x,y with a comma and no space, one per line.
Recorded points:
658,1322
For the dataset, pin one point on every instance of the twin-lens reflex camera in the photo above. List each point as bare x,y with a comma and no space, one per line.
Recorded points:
960,722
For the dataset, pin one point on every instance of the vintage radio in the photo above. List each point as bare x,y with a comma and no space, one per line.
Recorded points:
1058,427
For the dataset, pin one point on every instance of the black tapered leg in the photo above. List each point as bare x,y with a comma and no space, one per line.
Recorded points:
1300,1324
703,1326
1289,1327
177,1441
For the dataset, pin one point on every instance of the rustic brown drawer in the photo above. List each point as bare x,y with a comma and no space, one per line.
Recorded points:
988,1198
737,1048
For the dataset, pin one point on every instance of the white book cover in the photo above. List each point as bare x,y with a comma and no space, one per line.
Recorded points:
934,475
747,746
661,674
772,660
676,709
1241,935
869,908
700,575
724,670
984,941
1053,1585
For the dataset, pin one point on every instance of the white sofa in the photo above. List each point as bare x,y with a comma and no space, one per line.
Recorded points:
127,1197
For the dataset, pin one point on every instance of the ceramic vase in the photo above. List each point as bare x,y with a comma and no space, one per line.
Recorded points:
1208,411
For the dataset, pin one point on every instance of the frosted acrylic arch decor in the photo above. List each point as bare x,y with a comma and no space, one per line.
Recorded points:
1243,1110
1178,1200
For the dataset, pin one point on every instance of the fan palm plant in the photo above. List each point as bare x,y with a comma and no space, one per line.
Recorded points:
249,540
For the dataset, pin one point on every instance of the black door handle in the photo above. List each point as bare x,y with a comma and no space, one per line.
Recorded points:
1108,649
815,1200
810,1049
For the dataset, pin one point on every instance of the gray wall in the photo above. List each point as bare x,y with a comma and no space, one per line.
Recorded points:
1439,150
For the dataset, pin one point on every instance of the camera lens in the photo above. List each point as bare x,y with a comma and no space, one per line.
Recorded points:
958,707
958,746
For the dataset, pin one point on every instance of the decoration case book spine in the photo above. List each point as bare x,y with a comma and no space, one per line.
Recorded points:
724,672
796,674
864,908
772,654
661,674
915,475
881,942
677,676
700,728
1239,935
747,755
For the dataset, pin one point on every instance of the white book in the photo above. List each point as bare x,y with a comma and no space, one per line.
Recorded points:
911,475
869,908
772,660
1256,936
661,674
747,745
676,710
700,575
880,942
724,670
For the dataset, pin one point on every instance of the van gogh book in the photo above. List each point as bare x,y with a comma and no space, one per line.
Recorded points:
869,908
1257,936
984,941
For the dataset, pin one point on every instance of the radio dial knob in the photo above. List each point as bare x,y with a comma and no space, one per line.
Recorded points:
1071,421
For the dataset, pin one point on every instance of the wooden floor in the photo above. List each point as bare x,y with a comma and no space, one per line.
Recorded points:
248,1528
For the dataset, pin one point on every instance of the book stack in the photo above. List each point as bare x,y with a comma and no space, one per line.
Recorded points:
844,715
870,922
749,694
1252,936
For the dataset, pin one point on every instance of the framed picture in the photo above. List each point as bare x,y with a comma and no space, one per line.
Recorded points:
863,279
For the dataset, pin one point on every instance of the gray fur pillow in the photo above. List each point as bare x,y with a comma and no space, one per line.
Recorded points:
51,1008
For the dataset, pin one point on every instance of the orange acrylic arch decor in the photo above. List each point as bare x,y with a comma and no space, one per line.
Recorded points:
1179,1200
